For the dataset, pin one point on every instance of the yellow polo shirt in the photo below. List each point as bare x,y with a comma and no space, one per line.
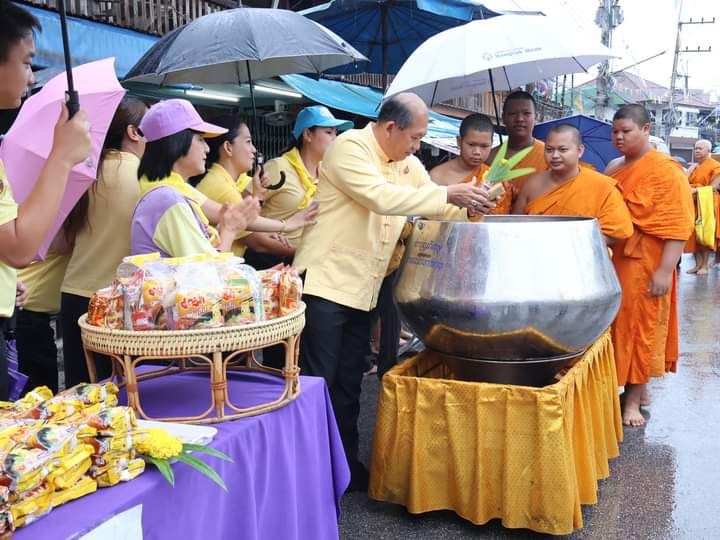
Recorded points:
219,186
43,279
8,277
101,245
283,203
364,198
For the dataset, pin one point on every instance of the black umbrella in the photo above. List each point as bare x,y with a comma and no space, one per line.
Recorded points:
73,100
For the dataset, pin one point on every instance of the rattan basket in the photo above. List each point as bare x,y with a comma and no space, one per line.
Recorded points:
215,350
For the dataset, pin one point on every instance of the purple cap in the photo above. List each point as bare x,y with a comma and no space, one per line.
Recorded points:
172,116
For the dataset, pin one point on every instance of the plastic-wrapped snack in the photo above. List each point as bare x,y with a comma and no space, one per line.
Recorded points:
101,463
112,476
59,440
84,486
157,297
33,398
24,468
114,420
121,442
290,290
270,280
242,301
92,393
198,296
98,306
115,312
4,496
31,505
6,523
67,470
57,409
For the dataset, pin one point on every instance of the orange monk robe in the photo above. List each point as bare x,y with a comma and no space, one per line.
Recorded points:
645,332
477,174
536,160
589,194
701,176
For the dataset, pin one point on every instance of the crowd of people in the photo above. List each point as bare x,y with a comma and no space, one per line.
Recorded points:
334,206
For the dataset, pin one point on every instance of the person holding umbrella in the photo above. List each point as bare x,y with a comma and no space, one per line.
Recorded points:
369,180
23,227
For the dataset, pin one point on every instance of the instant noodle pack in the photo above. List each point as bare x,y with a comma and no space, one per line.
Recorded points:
58,448
196,292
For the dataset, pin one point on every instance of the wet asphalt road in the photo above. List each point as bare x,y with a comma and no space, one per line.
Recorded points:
664,485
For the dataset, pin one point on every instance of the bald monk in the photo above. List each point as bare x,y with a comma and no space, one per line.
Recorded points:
656,191
519,118
568,189
474,142
705,172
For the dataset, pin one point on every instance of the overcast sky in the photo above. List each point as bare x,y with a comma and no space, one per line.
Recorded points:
650,27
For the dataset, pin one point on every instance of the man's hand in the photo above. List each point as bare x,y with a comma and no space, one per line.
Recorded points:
660,282
470,196
71,140
21,294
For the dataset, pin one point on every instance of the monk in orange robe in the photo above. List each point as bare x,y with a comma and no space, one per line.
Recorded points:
657,193
519,118
474,142
704,173
569,189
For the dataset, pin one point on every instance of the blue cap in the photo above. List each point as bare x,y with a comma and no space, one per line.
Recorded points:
320,116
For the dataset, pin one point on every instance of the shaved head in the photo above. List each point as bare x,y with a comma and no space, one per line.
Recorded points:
635,112
566,128
704,144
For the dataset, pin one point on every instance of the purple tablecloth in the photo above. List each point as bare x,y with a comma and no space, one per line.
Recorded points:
286,481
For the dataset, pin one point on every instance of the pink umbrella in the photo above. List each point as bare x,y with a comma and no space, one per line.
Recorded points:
27,145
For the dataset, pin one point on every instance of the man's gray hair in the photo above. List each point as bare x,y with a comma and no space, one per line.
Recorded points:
396,109
704,142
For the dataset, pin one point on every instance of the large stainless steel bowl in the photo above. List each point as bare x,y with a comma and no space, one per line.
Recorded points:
508,287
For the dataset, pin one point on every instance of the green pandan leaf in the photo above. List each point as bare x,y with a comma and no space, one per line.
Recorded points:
519,172
164,467
202,467
518,156
501,169
206,450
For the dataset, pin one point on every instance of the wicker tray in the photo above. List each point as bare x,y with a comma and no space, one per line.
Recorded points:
215,350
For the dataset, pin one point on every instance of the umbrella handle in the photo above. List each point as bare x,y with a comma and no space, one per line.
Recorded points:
73,102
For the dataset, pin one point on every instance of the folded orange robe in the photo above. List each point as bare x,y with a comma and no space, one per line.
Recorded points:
701,176
645,332
589,194
536,160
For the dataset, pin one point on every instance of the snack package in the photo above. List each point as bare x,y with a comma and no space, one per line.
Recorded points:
289,290
33,398
67,470
98,306
31,505
101,463
24,468
112,421
115,312
92,393
121,442
242,301
270,280
6,523
84,486
59,440
198,296
114,476
156,299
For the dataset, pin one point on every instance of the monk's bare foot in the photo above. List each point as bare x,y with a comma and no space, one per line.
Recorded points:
631,415
645,398
693,270
702,271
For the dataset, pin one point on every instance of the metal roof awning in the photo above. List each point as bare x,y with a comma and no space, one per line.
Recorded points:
89,41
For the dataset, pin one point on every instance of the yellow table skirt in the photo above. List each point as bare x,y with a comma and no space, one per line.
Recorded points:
529,456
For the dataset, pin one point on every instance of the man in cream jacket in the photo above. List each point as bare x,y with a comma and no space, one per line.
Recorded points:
369,182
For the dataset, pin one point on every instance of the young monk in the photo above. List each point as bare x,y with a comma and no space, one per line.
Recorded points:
706,172
645,332
567,189
519,118
475,143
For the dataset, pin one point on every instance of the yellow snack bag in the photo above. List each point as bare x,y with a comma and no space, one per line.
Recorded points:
31,505
114,476
84,486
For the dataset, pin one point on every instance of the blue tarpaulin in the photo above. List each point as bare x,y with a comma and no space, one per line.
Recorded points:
88,41
361,100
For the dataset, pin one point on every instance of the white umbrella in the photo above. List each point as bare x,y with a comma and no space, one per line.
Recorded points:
501,53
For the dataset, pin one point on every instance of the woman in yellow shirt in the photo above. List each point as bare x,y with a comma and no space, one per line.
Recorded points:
230,157
315,129
99,227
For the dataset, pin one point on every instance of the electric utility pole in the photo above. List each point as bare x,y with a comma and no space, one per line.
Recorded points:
608,17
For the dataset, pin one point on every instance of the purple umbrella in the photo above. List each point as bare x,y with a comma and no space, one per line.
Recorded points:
27,145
